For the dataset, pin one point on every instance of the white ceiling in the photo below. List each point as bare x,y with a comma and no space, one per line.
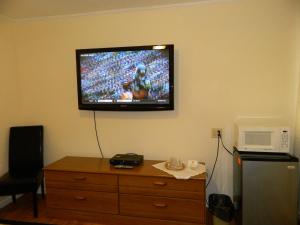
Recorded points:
26,9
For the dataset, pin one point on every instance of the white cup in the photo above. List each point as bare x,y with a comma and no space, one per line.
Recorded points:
193,164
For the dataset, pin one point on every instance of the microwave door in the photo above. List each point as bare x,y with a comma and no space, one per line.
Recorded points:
267,148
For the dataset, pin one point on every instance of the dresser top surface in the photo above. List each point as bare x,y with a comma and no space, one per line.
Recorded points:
98,165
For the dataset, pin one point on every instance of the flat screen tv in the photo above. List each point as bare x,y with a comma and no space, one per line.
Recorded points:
139,78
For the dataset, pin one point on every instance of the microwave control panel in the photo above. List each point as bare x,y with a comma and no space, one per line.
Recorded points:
284,140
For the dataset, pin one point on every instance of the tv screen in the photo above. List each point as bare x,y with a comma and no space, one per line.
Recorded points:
126,78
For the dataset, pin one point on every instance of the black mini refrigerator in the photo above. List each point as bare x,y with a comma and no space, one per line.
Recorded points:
265,188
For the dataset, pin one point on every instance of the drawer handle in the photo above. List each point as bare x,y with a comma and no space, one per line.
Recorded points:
160,205
160,183
80,198
79,178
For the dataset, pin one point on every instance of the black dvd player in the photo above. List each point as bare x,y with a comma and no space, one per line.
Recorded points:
129,160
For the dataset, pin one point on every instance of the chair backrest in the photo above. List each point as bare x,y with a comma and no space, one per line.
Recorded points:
26,150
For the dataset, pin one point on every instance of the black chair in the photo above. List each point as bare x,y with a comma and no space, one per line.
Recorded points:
25,164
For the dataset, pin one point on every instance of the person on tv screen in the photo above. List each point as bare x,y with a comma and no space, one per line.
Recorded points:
141,84
127,93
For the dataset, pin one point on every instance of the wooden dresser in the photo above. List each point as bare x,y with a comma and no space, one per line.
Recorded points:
90,189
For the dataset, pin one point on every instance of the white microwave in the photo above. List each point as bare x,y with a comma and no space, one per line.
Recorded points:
263,139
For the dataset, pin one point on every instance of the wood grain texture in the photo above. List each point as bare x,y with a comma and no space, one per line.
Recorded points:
82,178
176,209
91,201
81,181
162,183
97,165
80,186
111,219
89,189
162,192
22,211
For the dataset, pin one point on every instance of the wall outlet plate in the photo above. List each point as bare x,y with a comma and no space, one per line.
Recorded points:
214,132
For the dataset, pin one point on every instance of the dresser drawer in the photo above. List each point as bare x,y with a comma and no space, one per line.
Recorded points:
162,192
161,183
162,208
83,200
81,186
82,178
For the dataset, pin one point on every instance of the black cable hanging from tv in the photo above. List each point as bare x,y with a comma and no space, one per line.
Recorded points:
96,132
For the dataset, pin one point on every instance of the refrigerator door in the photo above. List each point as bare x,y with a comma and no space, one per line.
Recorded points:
269,193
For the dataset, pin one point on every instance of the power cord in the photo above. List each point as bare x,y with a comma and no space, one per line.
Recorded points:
96,131
213,170
218,149
220,136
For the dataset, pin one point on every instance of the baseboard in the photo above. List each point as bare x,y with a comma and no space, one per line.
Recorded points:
5,201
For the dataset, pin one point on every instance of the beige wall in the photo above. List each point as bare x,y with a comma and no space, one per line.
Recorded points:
232,60
297,130
297,136
8,90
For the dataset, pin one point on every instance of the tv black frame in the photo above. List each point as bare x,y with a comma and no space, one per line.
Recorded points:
127,106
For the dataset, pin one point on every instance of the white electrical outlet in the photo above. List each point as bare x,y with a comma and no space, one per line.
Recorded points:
214,132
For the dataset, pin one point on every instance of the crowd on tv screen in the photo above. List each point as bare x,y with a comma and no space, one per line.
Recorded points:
104,75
